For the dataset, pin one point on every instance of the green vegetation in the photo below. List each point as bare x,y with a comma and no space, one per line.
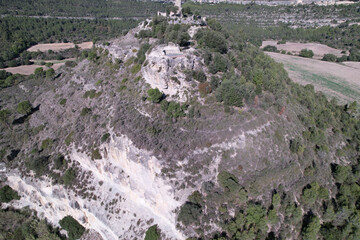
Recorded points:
329,58
81,8
153,233
17,37
154,95
306,53
95,154
69,177
7,194
24,107
24,224
74,228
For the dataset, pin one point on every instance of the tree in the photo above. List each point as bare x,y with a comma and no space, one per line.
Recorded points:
74,229
7,194
154,95
153,233
183,39
24,107
311,230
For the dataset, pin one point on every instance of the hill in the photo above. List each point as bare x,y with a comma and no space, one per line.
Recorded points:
187,127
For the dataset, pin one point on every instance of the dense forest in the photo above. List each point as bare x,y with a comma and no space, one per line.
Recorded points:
81,8
19,33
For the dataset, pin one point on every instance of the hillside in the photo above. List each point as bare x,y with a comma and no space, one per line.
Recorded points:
179,129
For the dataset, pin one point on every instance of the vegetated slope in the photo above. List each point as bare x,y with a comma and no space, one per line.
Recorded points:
249,155
261,15
16,37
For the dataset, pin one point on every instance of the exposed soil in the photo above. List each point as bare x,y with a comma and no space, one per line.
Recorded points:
295,47
58,46
29,69
335,80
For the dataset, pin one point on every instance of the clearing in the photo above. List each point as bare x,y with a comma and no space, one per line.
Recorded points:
29,69
58,46
337,80
295,47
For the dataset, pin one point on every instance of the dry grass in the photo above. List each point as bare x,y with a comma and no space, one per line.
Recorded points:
334,79
293,47
58,46
29,69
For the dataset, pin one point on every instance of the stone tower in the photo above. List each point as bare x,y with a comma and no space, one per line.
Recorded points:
178,4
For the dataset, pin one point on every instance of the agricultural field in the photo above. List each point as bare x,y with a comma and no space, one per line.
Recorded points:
59,46
339,80
318,49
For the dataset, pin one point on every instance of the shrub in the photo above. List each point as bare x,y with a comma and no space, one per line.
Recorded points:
228,181
7,194
199,76
69,177
50,73
24,107
152,233
105,137
269,48
95,154
47,143
329,58
39,72
85,111
306,53
219,64
189,213
39,165
74,229
63,101
154,95
135,69
204,88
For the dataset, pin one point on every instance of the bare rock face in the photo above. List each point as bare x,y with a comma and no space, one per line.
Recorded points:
167,67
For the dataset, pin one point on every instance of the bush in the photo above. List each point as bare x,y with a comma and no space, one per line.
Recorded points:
154,95
189,213
219,64
69,177
24,107
199,76
50,73
306,53
7,194
63,101
85,111
211,39
270,48
39,165
329,58
74,229
228,181
105,137
152,233
39,72
96,154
